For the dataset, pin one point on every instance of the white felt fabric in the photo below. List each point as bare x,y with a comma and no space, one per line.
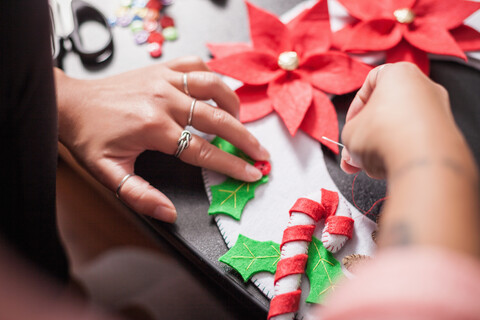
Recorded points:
298,170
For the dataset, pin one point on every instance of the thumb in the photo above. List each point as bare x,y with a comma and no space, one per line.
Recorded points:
143,198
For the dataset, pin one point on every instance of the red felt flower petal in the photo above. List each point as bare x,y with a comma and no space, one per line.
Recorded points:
404,51
291,97
446,13
335,72
368,9
375,35
254,102
220,50
251,67
433,39
467,38
321,120
268,33
341,37
310,31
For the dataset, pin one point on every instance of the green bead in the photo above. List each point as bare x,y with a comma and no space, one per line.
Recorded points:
136,26
125,3
170,33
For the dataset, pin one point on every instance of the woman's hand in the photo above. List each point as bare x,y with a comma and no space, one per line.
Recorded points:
398,114
107,123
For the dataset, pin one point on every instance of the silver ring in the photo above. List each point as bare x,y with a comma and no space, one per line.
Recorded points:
117,193
183,142
190,115
185,84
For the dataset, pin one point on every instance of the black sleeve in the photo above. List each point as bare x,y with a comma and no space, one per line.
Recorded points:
28,136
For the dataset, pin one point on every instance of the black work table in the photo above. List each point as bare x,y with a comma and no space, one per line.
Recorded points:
195,235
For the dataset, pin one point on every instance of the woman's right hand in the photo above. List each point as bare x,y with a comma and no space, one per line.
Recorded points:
398,115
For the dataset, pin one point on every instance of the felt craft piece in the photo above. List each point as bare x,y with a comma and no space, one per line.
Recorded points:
288,68
321,282
248,256
231,196
407,30
285,304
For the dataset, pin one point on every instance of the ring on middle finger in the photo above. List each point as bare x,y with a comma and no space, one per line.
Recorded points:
190,115
183,142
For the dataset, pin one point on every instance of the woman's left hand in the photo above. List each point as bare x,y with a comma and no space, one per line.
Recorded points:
107,123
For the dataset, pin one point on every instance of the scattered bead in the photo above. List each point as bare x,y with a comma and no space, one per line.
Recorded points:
150,25
147,22
125,20
112,21
156,37
155,49
136,26
166,22
141,37
170,33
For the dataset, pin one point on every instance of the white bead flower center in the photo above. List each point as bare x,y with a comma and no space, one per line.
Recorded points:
404,15
288,60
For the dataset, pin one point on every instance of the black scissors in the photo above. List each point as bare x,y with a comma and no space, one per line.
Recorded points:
67,17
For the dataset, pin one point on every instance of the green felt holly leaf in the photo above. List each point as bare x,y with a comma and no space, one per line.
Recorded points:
323,271
231,196
226,146
249,256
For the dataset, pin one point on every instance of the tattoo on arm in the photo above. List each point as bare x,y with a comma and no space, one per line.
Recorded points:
399,234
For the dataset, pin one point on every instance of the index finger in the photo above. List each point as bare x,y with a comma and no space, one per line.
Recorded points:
363,95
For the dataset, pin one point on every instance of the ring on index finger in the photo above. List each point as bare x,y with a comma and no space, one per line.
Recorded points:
183,142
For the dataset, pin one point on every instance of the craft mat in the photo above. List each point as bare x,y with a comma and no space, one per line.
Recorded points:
298,170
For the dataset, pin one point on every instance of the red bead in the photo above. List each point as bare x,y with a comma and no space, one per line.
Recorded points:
263,166
155,49
156,37
154,5
167,21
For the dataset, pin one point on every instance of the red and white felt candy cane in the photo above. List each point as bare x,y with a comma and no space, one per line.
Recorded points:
338,226
304,216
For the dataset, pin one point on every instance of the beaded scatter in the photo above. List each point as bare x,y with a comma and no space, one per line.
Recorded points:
148,22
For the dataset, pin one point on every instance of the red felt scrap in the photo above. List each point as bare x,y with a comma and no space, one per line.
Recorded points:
154,5
329,202
290,92
156,37
437,27
284,303
167,21
254,102
297,233
309,207
289,266
340,225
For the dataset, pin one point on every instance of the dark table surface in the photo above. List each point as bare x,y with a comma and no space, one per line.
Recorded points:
195,234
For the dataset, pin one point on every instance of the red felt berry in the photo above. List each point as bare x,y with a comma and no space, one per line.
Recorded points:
263,166
154,5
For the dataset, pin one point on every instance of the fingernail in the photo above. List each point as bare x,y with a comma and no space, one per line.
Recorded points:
345,155
264,153
167,214
253,173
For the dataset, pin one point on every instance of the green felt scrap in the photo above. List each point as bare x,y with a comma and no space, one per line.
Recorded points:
230,148
323,271
249,256
231,196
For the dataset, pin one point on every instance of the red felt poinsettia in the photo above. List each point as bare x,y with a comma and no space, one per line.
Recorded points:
409,29
289,68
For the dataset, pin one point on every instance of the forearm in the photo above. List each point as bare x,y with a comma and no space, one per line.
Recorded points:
433,198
